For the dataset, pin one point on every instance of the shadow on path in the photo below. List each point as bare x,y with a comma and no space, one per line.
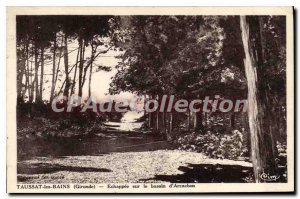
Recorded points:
207,173
45,168
94,144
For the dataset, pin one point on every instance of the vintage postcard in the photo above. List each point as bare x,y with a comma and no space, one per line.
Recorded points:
150,99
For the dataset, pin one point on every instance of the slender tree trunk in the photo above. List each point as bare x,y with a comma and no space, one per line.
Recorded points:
27,72
149,113
188,119
81,69
53,70
91,70
195,120
66,62
31,88
36,70
164,122
171,123
75,72
198,120
262,150
20,74
157,120
90,81
149,119
42,74
232,120
157,115
57,68
205,118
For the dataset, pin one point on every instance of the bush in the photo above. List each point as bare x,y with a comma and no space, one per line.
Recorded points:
231,146
215,145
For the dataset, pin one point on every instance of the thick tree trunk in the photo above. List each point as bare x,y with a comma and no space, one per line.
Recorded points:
262,150
66,62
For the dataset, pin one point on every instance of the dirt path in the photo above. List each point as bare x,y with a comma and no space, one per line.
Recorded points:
117,156
152,166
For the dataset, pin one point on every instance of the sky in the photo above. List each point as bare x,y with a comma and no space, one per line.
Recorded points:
100,80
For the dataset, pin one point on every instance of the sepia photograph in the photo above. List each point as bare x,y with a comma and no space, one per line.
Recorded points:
126,100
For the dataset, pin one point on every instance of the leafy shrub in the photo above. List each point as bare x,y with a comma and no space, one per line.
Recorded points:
281,158
231,146
281,147
215,145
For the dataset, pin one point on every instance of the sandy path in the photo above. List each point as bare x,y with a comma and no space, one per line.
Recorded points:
170,165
